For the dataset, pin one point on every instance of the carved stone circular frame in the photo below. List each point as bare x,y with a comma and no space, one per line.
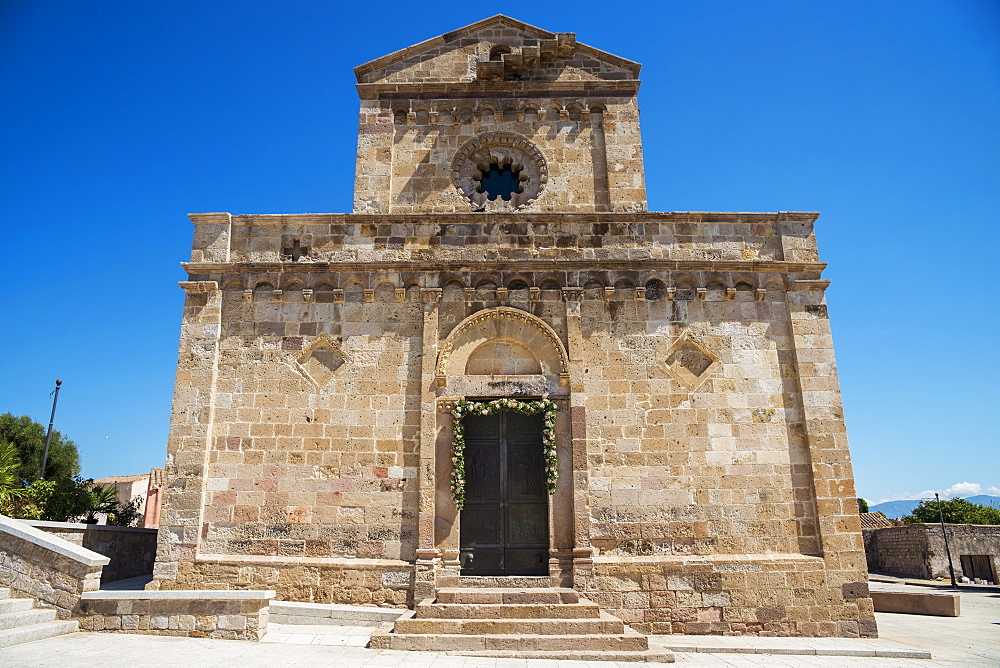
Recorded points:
501,148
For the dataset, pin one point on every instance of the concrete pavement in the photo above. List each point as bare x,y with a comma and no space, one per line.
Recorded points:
970,640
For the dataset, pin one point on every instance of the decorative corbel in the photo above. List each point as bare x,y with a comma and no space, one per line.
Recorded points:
502,295
400,294
431,295
196,287
671,294
701,293
369,295
760,294
640,292
730,294
609,292
534,294
572,294
338,296
307,294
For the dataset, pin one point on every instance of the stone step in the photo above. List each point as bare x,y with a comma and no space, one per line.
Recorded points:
10,620
32,632
649,655
293,612
506,581
548,595
606,624
4,592
623,642
16,604
582,610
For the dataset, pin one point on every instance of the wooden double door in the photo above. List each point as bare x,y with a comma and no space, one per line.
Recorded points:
505,521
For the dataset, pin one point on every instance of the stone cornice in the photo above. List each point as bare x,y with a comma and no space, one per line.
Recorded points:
280,219
778,266
504,89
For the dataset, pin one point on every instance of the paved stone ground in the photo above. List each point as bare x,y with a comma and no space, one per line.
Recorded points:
970,640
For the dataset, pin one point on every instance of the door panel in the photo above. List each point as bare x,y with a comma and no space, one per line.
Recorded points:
504,525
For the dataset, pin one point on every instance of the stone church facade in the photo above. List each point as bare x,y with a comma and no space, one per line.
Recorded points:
500,248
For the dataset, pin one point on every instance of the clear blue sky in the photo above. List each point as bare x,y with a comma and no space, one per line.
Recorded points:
118,118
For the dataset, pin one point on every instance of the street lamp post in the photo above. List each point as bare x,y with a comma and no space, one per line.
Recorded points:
48,436
947,549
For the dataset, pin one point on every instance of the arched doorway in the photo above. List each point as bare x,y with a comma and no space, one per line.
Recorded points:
507,525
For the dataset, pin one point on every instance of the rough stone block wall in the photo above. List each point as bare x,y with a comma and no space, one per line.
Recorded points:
313,449
699,448
918,550
593,158
132,550
763,596
52,579
352,581
900,550
190,618
964,539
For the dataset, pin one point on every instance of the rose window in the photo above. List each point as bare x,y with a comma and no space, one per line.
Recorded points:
499,171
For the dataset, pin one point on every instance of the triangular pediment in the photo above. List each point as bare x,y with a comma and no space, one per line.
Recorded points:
497,49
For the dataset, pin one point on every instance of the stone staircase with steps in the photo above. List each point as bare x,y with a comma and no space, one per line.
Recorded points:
526,621
21,621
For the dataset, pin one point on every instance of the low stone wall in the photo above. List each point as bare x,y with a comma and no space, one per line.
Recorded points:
132,550
53,571
898,550
230,615
917,550
352,581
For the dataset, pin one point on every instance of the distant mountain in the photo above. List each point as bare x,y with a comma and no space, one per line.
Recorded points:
897,509
984,499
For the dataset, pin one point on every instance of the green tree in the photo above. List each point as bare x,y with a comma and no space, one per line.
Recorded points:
59,500
126,514
100,500
862,505
955,511
11,490
28,437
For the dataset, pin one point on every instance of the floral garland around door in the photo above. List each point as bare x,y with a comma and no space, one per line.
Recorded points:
546,407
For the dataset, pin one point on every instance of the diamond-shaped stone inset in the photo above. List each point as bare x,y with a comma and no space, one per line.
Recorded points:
321,360
689,362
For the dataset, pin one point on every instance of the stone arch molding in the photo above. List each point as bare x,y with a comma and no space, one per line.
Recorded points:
502,323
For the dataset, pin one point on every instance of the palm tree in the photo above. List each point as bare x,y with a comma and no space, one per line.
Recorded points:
10,482
100,500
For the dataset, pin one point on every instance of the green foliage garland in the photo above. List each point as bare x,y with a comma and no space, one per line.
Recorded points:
545,406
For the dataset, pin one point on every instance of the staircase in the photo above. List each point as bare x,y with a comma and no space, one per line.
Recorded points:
21,621
517,622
